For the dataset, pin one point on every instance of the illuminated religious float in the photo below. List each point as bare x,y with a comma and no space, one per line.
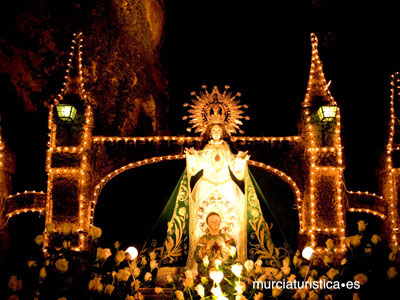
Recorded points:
216,173
79,164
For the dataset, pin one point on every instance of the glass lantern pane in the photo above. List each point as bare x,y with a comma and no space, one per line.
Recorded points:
327,113
66,112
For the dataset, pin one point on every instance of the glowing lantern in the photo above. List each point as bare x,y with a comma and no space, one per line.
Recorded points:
132,251
327,113
307,253
66,112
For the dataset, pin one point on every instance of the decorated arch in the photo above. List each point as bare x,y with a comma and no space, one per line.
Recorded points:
80,163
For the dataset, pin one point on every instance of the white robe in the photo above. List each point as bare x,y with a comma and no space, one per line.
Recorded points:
216,191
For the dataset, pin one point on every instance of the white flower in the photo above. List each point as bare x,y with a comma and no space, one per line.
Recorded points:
152,255
119,256
258,296
237,269
95,232
361,225
206,261
232,251
217,276
31,263
240,287
147,276
392,272
217,263
95,284
43,273
361,278
109,289
50,228
66,228
249,265
332,273
259,262
189,282
276,292
62,265
329,244
179,295
356,240
216,291
188,273
39,239
375,239
153,265
123,274
200,290
14,283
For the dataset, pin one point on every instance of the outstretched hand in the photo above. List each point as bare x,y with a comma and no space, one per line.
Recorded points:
243,155
190,151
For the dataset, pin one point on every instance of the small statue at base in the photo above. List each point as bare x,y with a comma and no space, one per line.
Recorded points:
214,247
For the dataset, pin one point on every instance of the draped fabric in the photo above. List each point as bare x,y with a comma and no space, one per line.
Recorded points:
170,235
182,221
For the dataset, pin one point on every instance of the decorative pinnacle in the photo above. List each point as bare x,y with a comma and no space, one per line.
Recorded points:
73,83
317,87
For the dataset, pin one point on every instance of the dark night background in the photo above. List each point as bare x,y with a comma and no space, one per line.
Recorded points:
263,52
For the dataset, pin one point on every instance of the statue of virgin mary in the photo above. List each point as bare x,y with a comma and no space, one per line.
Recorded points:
216,191
216,116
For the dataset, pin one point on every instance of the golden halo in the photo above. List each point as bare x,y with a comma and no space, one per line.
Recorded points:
215,108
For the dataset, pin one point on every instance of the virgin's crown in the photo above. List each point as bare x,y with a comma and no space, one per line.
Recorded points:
215,108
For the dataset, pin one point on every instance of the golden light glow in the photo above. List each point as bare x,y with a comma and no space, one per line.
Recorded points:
132,251
25,193
102,139
390,189
368,211
24,210
317,150
312,221
2,157
66,112
327,113
307,253
81,172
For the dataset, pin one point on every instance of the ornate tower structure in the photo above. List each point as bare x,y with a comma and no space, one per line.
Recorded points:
70,139
322,214
7,170
390,181
3,189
